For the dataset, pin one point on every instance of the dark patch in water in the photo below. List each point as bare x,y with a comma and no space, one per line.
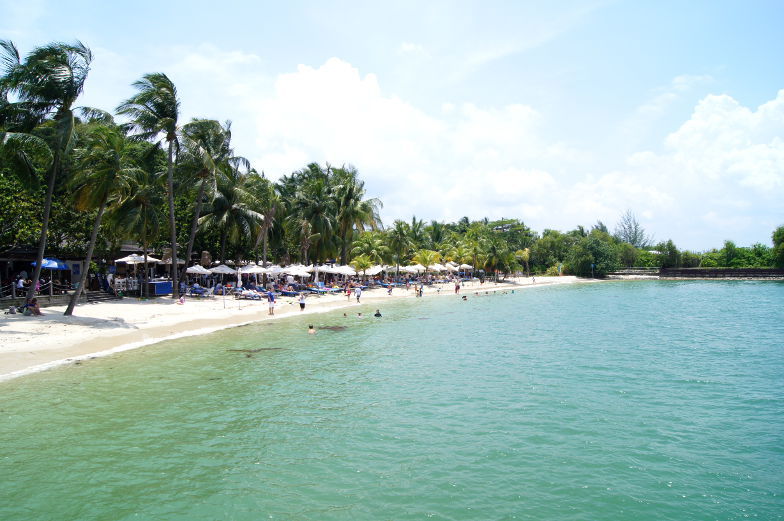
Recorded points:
334,328
423,318
255,350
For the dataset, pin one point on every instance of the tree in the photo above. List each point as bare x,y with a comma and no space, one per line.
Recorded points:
399,241
778,246
104,173
138,216
352,210
268,204
231,212
427,258
629,230
47,84
372,245
154,112
208,156
628,254
524,256
362,263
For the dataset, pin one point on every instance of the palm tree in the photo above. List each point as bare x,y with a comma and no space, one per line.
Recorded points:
208,156
154,111
362,263
138,215
352,210
371,245
47,84
427,258
400,242
105,169
524,256
313,203
231,211
417,232
269,203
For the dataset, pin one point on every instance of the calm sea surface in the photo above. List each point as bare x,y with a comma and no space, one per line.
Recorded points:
616,401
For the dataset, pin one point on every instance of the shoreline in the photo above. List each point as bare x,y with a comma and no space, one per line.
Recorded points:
36,344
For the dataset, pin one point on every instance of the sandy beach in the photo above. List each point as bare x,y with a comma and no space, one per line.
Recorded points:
30,344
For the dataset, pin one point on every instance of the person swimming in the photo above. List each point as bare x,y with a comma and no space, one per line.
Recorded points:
311,330
377,313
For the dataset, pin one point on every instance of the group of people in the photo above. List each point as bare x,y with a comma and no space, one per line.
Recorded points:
30,307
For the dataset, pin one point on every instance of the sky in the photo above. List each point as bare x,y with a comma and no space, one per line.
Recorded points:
556,113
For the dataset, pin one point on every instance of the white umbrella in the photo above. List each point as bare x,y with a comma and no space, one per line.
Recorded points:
274,270
375,270
437,267
415,268
138,259
466,267
223,270
452,267
254,269
344,270
198,270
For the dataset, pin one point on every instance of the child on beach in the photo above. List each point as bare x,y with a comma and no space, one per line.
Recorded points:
271,302
358,293
302,302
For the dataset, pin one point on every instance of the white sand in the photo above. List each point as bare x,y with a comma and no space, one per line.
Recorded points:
29,344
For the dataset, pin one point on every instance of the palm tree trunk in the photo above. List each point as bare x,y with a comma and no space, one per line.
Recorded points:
264,248
223,247
194,228
39,259
172,223
86,271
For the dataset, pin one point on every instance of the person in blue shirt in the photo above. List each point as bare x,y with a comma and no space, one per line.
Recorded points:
271,302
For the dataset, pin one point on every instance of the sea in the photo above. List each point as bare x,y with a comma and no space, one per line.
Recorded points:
627,400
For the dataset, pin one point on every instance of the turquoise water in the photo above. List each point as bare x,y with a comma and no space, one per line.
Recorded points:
616,401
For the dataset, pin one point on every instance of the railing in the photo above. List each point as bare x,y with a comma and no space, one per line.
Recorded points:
723,273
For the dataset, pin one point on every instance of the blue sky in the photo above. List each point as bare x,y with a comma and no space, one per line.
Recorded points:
555,113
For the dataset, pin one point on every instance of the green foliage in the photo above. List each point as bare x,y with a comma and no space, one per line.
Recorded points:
778,247
595,254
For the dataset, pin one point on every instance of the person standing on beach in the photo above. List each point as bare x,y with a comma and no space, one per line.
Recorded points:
358,293
457,287
271,302
302,302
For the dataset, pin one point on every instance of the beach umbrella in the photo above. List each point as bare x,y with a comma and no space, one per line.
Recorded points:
466,267
198,270
52,264
375,270
254,269
437,267
133,258
223,270
274,270
451,267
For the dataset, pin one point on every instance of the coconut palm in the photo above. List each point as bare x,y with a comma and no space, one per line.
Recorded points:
426,258
524,256
268,205
47,83
138,216
362,263
105,169
153,112
313,203
353,212
231,212
207,156
372,245
399,241
417,232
